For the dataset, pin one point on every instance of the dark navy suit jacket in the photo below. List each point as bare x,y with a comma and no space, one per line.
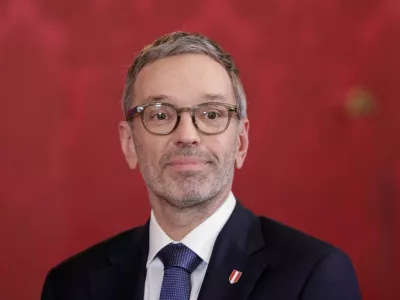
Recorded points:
277,263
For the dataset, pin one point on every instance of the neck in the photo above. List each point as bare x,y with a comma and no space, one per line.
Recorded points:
177,222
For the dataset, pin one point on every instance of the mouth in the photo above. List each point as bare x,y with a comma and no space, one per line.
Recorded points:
187,164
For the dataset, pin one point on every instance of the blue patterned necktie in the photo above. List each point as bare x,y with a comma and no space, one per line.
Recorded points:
179,262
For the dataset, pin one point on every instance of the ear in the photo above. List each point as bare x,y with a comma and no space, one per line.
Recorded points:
242,143
127,144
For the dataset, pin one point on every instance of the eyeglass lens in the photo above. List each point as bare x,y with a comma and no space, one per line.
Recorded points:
210,118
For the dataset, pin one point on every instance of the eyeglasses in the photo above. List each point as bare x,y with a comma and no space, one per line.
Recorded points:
163,118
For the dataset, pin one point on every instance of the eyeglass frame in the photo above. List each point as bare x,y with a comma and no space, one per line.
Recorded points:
139,109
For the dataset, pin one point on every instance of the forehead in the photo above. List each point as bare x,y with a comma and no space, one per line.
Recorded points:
183,79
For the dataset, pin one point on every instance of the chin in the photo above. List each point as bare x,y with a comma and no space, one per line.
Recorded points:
187,198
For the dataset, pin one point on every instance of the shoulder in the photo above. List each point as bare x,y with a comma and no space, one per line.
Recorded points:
290,240
295,251
321,270
100,255
281,242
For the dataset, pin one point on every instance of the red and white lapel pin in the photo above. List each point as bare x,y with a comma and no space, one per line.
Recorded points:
235,275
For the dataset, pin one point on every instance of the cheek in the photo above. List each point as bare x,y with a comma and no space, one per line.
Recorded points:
223,147
151,148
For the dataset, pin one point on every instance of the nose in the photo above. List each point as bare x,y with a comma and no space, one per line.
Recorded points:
186,134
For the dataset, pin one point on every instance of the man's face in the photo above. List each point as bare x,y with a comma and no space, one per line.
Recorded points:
186,167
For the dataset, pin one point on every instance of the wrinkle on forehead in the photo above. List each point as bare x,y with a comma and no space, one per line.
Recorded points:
184,80
205,97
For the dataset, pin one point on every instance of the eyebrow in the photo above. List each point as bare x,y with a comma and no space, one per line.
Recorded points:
207,96
215,97
156,98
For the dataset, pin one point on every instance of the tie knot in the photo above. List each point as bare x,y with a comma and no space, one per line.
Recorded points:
178,255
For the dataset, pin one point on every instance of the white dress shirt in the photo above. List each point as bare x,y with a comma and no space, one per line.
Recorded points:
200,240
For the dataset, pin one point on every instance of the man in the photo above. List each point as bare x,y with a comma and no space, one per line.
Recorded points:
186,128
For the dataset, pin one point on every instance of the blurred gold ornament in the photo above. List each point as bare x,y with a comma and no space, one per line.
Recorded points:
360,102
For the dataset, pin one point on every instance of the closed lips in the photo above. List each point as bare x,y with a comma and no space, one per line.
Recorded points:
186,161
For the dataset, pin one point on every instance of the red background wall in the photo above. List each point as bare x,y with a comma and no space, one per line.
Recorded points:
324,157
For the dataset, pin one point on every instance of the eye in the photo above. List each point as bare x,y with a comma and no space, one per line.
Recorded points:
160,113
159,116
212,115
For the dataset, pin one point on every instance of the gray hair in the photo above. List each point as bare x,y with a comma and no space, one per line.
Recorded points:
177,43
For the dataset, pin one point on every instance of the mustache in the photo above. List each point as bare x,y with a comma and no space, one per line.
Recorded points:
186,152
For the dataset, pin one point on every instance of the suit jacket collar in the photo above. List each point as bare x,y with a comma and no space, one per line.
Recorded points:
125,278
239,246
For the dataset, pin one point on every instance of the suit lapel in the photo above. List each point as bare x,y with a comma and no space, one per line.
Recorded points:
240,247
125,278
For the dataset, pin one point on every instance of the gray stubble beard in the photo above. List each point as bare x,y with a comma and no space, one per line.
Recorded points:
197,194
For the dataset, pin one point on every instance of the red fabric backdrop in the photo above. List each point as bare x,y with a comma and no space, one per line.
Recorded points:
322,79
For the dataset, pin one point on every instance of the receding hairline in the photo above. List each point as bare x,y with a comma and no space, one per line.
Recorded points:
181,43
211,97
217,96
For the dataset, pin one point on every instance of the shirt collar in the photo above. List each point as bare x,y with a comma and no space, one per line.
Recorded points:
200,240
